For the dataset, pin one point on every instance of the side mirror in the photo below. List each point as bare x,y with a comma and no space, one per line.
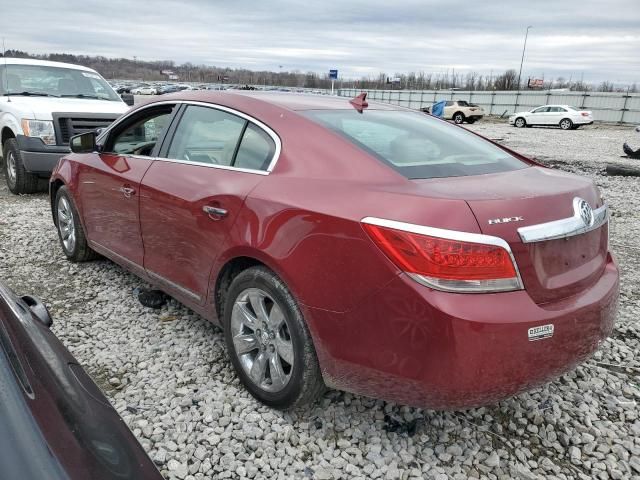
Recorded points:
38,309
83,143
127,98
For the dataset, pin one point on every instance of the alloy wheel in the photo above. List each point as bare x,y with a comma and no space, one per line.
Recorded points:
565,124
12,170
519,122
262,340
66,226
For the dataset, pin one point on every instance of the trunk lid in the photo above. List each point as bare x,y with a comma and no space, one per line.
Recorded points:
503,203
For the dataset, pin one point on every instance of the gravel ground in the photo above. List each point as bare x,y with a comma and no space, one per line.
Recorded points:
167,373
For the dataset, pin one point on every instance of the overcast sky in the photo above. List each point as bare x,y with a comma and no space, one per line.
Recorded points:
599,39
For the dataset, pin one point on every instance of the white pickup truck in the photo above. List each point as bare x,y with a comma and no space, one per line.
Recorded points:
42,105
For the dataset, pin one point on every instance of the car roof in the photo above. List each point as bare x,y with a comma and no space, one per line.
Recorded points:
44,63
285,100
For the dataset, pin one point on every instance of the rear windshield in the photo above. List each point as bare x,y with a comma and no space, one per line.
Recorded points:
416,145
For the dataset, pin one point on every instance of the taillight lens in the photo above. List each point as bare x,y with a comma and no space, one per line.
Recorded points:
585,114
449,264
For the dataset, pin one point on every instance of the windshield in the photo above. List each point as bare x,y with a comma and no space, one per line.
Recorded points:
54,81
416,145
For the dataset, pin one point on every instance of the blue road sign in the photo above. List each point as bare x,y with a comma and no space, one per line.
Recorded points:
333,74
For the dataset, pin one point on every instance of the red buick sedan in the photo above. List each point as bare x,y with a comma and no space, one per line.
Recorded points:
363,247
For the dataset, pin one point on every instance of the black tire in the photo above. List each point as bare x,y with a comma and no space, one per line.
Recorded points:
471,121
458,118
305,382
80,250
17,178
520,122
566,124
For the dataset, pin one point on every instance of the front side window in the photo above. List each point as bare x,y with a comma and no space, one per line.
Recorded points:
40,80
416,145
541,110
139,135
206,135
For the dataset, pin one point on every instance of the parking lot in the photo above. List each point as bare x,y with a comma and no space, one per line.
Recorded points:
167,372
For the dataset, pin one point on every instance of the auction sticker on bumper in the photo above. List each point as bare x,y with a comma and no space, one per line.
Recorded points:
538,333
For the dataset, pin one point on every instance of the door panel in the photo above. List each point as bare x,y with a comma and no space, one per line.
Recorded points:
538,116
109,188
183,221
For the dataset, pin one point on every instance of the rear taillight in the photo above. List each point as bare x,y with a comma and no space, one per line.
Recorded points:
445,259
584,114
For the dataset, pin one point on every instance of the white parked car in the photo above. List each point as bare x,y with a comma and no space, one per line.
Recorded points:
564,116
462,111
145,91
42,105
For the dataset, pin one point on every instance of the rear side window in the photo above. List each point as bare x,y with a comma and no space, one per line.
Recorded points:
256,149
416,145
206,135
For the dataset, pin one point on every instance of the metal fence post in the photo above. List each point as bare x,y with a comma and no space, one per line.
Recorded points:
624,106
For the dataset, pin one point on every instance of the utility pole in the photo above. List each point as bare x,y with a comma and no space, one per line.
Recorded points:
523,49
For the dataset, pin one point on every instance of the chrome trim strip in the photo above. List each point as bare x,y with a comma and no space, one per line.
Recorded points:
566,227
174,285
108,252
151,274
274,136
516,282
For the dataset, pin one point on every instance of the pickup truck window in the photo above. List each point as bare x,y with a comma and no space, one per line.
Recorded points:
42,80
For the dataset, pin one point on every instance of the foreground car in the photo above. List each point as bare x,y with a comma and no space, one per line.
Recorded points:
54,421
366,247
564,116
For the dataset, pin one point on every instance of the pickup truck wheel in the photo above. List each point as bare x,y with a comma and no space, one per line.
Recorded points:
458,118
269,342
18,179
72,238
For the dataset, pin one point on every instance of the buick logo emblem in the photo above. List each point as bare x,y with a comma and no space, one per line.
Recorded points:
585,211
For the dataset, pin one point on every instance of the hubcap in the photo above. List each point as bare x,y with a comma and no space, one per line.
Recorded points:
262,340
11,169
65,225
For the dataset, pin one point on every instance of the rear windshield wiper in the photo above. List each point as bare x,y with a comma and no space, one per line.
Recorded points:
83,95
30,94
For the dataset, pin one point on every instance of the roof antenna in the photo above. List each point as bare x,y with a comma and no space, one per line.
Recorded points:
6,72
359,102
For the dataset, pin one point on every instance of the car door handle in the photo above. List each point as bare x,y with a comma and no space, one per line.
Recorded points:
215,213
127,191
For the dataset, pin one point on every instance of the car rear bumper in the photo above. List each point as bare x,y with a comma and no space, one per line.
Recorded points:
417,346
38,157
